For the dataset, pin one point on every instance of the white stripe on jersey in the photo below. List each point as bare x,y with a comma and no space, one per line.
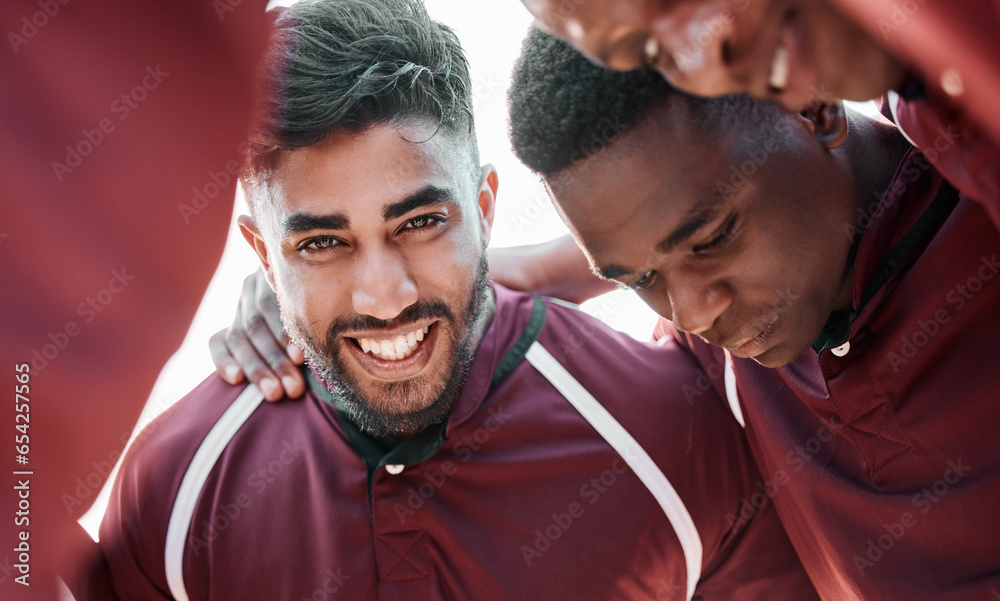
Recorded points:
731,395
194,479
630,450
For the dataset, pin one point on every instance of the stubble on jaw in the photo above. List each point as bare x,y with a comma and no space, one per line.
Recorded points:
374,414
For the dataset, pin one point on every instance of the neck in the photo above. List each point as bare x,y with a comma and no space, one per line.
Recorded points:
869,156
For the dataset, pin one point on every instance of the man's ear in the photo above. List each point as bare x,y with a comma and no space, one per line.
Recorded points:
488,185
256,241
827,121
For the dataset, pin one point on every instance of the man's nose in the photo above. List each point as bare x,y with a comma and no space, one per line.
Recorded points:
695,40
696,306
383,286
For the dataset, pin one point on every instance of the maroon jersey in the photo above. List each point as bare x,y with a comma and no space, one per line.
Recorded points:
571,467
881,448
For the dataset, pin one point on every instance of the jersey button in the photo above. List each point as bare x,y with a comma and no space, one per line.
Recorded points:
842,350
394,468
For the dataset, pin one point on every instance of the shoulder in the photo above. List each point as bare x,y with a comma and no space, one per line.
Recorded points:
177,433
133,531
660,379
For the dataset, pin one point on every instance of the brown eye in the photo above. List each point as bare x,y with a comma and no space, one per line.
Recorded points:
319,243
720,239
423,222
644,282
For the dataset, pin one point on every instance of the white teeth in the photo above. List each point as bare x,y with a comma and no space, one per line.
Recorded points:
779,69
400,347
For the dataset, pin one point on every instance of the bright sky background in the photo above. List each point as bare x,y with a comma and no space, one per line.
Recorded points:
491,33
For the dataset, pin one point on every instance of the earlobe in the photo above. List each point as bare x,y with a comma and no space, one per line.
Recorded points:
256,241
827,121
488,186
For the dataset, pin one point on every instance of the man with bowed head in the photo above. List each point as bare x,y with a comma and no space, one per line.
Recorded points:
843,297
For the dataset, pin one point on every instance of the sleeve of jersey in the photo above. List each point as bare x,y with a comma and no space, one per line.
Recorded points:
134,529
133,532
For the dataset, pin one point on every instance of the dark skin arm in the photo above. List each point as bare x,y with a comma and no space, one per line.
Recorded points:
255,345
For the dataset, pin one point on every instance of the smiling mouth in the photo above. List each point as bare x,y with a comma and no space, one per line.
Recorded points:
396,348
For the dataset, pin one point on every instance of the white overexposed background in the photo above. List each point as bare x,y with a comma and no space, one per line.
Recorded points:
491,33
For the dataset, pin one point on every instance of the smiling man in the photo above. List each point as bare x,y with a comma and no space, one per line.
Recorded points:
406,280
840,293
457,440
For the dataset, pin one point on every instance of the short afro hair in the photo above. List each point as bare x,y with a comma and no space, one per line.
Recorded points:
563,107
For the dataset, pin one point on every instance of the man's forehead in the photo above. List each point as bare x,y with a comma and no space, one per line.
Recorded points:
366,171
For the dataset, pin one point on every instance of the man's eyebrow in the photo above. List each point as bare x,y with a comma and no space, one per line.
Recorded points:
303,222
428,196
704,211
612,272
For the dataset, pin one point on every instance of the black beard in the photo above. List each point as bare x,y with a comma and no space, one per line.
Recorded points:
369,414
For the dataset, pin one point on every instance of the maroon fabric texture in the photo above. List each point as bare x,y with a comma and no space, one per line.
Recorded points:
939,41
889,454
115,116
524,500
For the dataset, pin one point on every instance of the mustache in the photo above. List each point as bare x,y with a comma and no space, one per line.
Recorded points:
420,311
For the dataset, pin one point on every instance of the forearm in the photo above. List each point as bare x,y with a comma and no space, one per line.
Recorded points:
556,268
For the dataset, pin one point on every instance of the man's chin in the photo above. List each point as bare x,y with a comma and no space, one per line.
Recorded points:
780,355
398,408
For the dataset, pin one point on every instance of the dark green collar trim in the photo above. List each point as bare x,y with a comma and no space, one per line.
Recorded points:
528,337
838,327
376,452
